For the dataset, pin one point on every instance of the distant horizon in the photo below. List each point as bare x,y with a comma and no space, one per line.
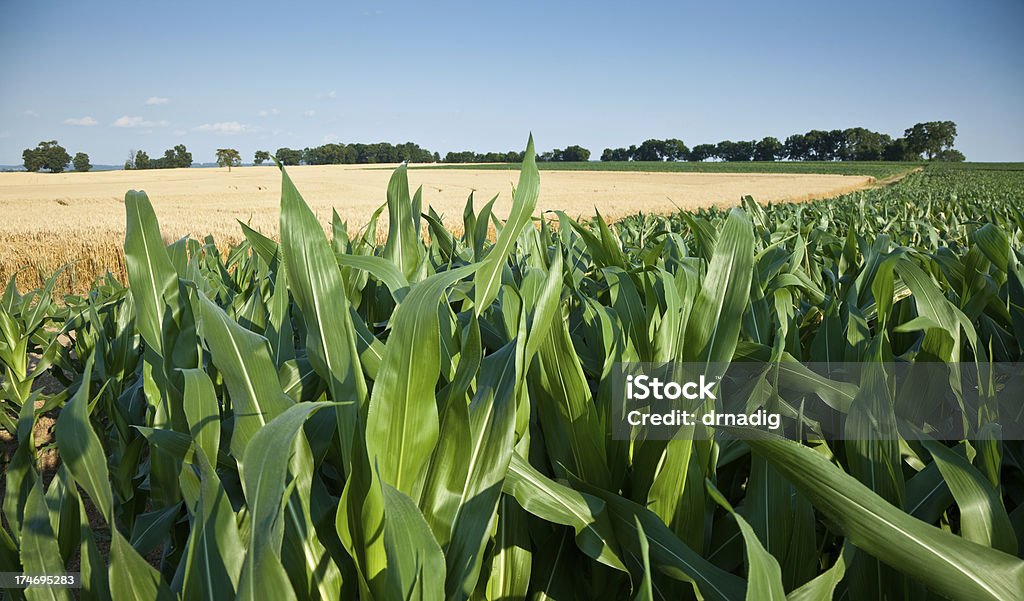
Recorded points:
457,76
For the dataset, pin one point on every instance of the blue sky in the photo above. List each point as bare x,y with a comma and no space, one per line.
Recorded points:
108,77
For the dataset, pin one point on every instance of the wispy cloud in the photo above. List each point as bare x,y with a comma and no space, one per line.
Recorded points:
331,95
329,139
30,113
224,127
157,100
84,121
309,113
268,112
5,134
127,121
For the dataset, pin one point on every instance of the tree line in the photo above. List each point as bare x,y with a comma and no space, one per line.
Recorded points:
337,153
934,140
173,158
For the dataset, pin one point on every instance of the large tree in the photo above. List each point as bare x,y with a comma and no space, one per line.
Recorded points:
228,157
676,150
81,162
899,150
142,160
703,152
616,154
47,155
288,156
728,150
261,157
575,153
768,149
797,148
931,138
178,156
864,145
651,150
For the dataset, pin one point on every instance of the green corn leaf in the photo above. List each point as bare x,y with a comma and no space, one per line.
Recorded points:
243,357
512,559
215,552
266,461
382,269
554,502
202,412
40,553
714,324
524,200
949,565
983,519
315,283
671,555
403,246
823,587
131,577
152,278
360,523
81,449
764,577
645,591
402,421
415,562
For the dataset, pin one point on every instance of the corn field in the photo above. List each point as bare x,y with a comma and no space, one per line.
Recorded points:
326,417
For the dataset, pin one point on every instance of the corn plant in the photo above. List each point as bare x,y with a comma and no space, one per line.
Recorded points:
325,417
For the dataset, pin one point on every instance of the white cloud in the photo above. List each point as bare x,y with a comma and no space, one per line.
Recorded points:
30,113
127,121
309,113
157,100
180,132
330,138
86,121
224,127
5,134
268,112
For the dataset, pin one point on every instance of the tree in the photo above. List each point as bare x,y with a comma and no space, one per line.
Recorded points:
703,152
617,154
796,147
287,156
768,149
864,145
47,155
575,153
650,150
81,162
728,150
899,150
142,160
261,157
179,156
228,157
676,150
950,155
930,138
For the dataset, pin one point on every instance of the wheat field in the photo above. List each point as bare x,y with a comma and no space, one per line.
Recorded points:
77,219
